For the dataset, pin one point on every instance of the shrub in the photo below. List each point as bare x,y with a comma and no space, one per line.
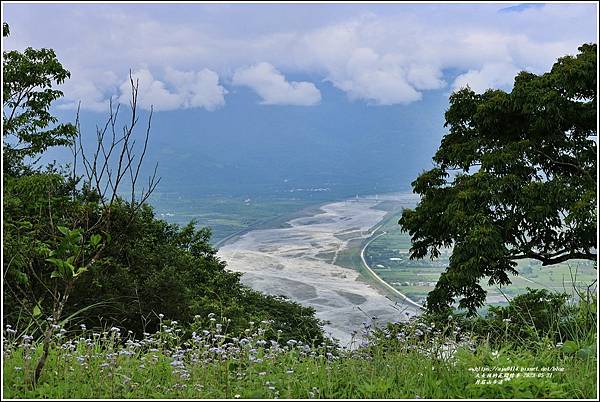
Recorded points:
538,315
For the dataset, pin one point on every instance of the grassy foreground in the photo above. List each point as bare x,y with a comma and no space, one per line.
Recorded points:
421,361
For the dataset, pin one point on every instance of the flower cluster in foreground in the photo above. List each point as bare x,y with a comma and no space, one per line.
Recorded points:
405,360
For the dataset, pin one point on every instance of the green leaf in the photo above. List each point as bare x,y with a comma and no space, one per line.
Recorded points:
570,347
64,269
65,231
76,235
70,269
25,224
55,261
37,311
22,277
44,250
95,240
80,271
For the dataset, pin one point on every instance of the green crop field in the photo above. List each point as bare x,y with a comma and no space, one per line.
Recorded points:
387,253
227,216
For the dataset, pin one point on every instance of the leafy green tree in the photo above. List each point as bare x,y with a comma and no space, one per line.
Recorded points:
515,178
29,127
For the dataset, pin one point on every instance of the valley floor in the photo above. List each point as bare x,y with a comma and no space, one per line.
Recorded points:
299,262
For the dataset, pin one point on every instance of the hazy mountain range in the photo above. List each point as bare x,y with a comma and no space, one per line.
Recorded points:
341,147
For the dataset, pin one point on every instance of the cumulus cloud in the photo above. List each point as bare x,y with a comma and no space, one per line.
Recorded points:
383,54
180,90
425,77
90,90
84,94
368,76
273,88
151,92
393,59
381,80
493,75
198,89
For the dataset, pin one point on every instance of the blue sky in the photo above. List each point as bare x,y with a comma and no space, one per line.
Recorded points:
198,56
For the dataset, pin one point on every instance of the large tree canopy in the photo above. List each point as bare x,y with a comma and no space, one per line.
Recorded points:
514,178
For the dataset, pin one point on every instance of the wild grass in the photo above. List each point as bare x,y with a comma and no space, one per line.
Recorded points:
418,359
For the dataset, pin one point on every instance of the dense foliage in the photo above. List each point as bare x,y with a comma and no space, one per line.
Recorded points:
515,178
148,268
536,317
152,267
540,314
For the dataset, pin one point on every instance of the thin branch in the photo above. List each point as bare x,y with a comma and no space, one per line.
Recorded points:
555,258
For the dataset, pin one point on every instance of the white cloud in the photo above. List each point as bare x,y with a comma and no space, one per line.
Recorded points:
493,75
425,77
92,88
151,92
273,88
380,80
198,89
187,90
90,96
380,86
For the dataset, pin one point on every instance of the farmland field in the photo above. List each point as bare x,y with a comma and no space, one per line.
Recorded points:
387,253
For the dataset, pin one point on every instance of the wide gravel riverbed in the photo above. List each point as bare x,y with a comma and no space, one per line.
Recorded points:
296,262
